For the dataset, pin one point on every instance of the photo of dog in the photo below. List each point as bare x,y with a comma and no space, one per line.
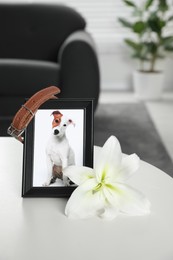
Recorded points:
58,142
59,153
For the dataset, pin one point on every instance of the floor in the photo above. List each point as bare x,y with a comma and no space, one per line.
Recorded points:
160,111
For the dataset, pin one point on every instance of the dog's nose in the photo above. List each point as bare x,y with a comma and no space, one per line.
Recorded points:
56,132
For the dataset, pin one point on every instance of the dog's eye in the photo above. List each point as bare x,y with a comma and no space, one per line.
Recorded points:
57,121
64,125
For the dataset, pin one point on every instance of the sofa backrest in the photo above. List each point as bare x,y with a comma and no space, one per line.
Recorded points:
36,31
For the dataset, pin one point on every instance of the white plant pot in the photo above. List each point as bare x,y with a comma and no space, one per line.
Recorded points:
147,85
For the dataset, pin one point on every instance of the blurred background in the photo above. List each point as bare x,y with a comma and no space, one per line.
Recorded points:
127,67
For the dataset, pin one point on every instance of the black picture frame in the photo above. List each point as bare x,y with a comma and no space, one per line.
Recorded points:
82,109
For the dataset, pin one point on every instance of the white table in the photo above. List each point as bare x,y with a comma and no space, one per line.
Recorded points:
37,229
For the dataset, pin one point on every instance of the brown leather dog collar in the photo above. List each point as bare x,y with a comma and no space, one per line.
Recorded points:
28,110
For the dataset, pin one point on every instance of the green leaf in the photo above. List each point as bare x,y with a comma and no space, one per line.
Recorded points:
148,4
170,18
140,57
162,23
134,45
139,27
129,3
155,23
125,23
169,48
163,6
168,43
167,40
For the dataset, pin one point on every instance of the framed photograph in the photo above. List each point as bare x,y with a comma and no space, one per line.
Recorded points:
60,135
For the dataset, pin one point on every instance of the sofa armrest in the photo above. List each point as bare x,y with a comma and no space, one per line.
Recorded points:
79,69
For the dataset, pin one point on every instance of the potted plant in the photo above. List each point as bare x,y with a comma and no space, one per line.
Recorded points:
151,41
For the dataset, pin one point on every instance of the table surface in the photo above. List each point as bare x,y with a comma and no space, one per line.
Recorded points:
37,229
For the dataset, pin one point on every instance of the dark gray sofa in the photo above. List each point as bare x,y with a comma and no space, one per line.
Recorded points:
42,45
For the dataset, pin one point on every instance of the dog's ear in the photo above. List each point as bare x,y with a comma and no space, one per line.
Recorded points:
57,118
57,112
71,122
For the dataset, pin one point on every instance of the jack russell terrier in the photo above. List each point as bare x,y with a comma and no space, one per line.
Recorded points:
59,154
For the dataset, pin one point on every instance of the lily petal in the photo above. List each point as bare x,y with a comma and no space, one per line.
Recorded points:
109,159
84,203
78,174
132,201
112,195
128,200
109,213
129,165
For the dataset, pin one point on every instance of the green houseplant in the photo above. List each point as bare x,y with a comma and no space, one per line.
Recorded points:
150,42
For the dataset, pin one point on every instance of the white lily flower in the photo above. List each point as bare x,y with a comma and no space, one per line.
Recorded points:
101,191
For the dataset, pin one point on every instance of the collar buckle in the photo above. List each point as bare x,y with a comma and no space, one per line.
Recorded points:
15,132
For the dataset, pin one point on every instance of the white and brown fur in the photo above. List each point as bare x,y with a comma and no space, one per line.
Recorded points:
59,154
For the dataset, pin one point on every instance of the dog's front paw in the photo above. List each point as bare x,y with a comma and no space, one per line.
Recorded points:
66,181
46,184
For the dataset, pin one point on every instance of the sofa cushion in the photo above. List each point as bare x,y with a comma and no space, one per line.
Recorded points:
25,77
36,31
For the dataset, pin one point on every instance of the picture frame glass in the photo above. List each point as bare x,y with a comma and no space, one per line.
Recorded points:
59,136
